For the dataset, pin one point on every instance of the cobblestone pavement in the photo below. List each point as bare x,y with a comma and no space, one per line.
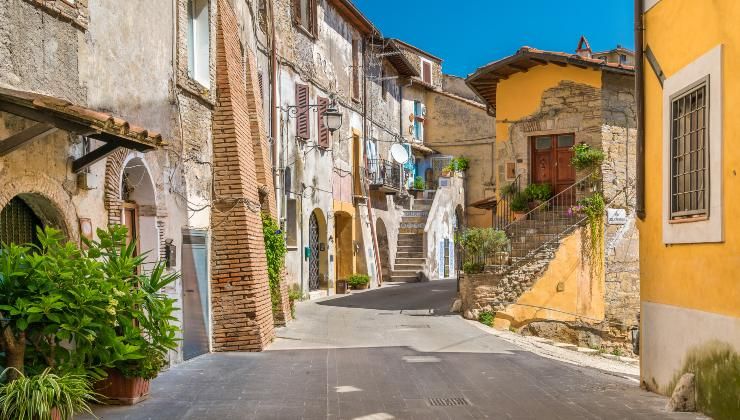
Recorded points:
392,353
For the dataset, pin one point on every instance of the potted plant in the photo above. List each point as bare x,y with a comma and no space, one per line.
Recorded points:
418,187
143,319
480,245
519,205
538,194
45,396
358,281
460,165
586,158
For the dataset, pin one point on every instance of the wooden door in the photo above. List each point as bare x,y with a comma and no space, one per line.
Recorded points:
131,221
551,161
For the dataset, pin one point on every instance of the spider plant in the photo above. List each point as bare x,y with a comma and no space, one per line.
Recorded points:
36,397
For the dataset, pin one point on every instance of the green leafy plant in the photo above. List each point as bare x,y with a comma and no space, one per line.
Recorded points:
594,207
294,295
275,251
470,267
586,157
486,318
538,192
478,243
358,280
101,299
458,164
36,397
419,183
519,203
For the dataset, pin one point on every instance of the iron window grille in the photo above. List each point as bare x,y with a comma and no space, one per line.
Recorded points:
690,152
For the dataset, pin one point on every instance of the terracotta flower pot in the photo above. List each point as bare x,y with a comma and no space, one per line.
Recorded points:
118,389
55,415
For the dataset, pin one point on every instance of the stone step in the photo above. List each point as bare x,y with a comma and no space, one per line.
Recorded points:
402,279
411,230
407,260
410,246
408,267
413,219
416,213
412,255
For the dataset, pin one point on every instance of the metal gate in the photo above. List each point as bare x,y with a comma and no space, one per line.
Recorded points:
313,260
18,223
195,293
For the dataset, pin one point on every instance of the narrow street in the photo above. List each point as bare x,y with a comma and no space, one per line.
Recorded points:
388,353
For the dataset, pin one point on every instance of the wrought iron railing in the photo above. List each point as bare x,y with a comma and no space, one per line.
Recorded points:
503,215
543,226
383,173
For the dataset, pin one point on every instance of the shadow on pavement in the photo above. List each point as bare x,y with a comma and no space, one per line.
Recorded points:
432,298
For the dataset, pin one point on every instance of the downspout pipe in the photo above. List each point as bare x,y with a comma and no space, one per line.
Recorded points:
274,134
640,103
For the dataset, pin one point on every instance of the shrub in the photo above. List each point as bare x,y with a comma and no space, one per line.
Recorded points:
358,280
470,267
294,294
519,202
540,192
275,251
34,397
419,183
486,318
508,190
586,157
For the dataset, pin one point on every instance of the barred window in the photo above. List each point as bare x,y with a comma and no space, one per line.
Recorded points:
690,152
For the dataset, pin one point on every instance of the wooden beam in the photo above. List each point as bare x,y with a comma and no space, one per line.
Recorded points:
19,139
559,63
110,138
538,60
46,117
518,67
94,156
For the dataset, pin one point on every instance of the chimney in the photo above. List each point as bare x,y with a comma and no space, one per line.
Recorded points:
584,49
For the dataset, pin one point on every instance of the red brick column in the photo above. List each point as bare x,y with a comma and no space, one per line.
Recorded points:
242,311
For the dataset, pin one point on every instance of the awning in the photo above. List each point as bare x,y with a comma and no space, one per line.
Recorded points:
389,49
485,204
52,113
422,149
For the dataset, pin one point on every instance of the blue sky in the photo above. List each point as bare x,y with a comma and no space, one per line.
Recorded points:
467,34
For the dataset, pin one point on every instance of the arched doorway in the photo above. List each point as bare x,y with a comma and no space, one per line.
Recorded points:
317,261
345,266
384,248
26,212
139,209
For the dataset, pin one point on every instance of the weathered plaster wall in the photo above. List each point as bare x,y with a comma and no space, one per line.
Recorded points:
441,225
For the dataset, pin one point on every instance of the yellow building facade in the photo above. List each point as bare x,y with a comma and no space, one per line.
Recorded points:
689,236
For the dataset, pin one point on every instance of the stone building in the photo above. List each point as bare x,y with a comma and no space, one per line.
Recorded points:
545,104
137,124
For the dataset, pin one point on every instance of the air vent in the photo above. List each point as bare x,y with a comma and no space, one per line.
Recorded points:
447,402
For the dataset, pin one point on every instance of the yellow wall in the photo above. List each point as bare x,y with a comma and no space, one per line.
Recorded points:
697,276
520,94
580,295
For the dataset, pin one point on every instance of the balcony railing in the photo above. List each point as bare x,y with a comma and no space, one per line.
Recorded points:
384,175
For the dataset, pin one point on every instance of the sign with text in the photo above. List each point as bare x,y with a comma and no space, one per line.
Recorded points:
616,216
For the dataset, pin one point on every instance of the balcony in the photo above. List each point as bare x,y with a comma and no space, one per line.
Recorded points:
384,175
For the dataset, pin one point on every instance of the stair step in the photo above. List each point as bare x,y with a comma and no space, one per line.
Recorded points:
414,255
410,260
404,279
408,267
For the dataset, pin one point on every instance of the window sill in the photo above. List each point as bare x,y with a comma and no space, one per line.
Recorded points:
194,88
688,220
305,31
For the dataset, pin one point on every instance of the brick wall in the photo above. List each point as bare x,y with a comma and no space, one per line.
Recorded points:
242,313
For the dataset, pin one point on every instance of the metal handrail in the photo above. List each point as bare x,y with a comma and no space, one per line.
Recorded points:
506,215
383,172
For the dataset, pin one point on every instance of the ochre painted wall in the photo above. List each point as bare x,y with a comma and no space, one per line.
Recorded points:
520,94
697,276
580,294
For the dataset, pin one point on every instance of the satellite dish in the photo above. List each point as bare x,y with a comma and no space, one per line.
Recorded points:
399,153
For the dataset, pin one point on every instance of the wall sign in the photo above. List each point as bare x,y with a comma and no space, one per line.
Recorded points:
616,216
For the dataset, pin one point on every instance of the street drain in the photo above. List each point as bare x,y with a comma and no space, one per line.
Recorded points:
447,402
415,326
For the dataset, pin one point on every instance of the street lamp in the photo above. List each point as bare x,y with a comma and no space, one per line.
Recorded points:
332,118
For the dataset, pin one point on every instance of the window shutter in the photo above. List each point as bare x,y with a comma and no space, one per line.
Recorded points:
324,135
427,72
313,17
303,130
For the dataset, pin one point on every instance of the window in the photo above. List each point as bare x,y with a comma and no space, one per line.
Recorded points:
418,121
324,133
356,69
622,59
426,71
689,152
303,128
603,57
199,42
692,148
291,237
304,16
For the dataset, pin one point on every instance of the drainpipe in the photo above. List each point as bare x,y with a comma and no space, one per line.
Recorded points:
640,102
367,187
276,178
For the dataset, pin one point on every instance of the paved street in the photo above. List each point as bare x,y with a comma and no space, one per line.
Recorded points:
384,354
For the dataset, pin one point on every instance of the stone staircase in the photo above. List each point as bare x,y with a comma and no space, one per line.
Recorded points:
410,253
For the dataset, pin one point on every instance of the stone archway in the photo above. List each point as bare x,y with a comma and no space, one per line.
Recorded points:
46,198
318,265
384,248
139,207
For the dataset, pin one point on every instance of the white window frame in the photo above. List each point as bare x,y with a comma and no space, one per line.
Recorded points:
199,41
711,228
